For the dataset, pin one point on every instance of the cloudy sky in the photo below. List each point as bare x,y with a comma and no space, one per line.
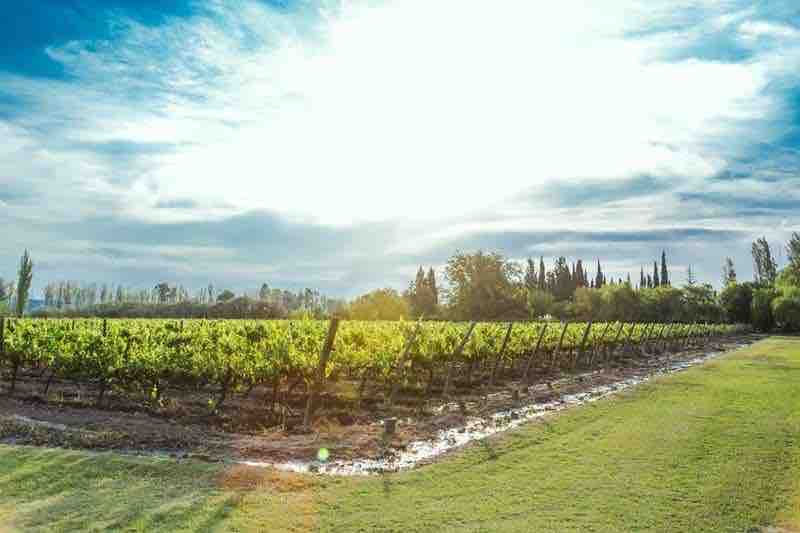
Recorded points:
339,144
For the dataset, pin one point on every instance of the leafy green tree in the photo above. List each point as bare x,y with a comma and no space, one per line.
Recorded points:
531,281
540,303
661,304
791,273
763,319
381,304
24,279
484,286
700,304
736,300
786,312
226,296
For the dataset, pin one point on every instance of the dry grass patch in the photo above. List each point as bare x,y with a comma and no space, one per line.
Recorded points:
243,478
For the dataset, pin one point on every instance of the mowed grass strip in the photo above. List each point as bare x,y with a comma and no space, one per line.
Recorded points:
715,448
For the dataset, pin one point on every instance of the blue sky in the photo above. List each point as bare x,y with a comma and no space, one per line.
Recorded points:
340,144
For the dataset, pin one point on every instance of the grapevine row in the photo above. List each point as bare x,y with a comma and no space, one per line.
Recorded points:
142,359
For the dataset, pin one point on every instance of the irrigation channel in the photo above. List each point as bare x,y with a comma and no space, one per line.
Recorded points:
527,409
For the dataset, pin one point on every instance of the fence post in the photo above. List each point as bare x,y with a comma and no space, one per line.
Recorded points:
399,369
448,380
320,375
500,354
525,374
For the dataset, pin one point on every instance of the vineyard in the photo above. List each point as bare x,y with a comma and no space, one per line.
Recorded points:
304,362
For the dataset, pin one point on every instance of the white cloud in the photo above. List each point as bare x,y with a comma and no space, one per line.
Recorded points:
437,116
403,109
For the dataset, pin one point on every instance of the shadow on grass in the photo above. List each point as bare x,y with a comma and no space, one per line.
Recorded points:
68,491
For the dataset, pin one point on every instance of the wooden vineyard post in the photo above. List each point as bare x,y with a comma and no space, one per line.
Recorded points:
657,338
319,379
613,347
2,339
627,344
560,342
500,354
399,370
580,351
648,330
660,337
451,367
688,336
526,373
599,344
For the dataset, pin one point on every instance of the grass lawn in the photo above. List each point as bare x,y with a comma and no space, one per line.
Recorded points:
716,448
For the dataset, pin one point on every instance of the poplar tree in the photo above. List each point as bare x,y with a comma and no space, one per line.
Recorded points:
765,268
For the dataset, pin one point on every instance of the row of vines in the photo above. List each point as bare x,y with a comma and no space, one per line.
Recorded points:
144,359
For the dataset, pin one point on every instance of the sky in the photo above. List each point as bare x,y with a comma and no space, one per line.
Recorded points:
341,144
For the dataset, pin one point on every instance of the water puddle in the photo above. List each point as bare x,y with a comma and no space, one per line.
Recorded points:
481,427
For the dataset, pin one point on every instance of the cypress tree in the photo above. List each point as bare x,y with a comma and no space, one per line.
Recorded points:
599,278
656,281
542,275
664,273
649,282
432,289
642,280
581,274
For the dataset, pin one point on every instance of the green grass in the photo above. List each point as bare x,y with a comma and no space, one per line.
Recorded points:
716,448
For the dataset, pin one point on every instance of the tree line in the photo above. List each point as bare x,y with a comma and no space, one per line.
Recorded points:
477,286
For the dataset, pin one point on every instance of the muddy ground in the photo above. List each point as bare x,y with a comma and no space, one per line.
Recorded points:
183,427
